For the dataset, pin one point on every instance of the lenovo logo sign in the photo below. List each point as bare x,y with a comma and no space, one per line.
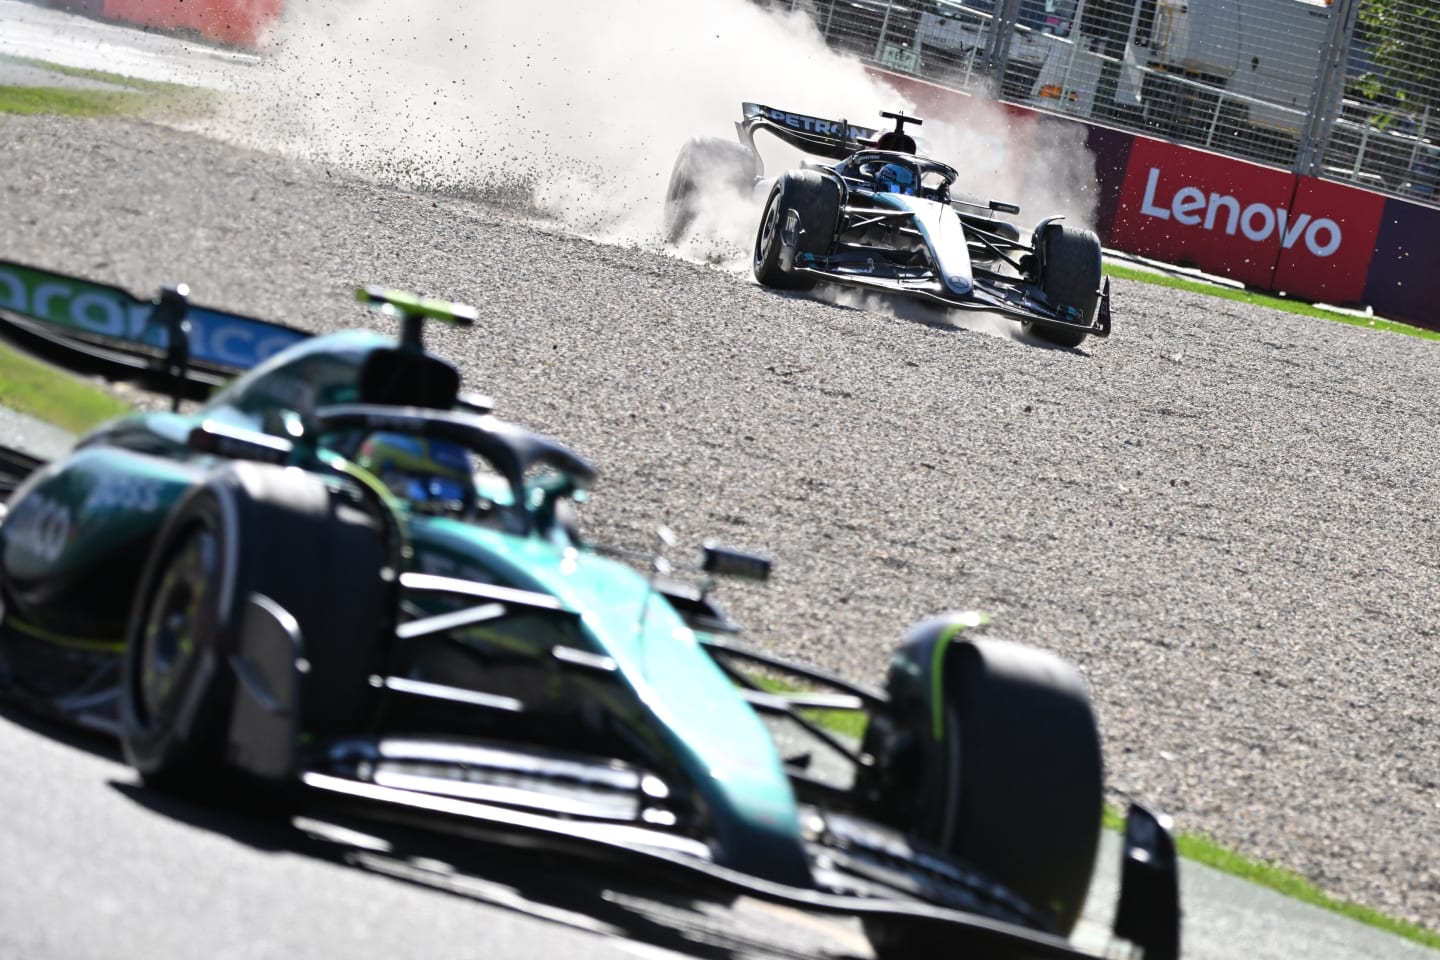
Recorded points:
1262,226
1217,212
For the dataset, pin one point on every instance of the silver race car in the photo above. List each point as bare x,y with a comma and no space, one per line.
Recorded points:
880,216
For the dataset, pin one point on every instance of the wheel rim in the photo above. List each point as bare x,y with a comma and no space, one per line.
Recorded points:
169,637
768,230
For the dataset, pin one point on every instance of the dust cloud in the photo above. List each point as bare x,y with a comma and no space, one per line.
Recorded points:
576,108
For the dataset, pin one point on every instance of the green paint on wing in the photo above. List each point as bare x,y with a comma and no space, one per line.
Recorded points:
401,303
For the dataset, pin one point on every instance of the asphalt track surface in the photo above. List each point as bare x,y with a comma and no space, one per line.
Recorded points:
135,874
1226,516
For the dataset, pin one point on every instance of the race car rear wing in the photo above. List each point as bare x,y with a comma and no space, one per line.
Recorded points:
166,344
834,139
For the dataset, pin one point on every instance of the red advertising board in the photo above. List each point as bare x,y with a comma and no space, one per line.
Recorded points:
238,22
1188,207
1261,226
1352,216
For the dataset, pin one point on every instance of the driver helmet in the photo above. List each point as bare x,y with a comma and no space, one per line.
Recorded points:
423,470
896,178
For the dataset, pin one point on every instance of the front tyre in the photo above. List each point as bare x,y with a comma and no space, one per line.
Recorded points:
1070,276
816,200
251,530
176,689
991,754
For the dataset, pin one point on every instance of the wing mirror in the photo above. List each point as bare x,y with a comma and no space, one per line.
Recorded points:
728,562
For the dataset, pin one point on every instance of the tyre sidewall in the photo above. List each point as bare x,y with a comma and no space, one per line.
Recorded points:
278,534
816,199
1070,275
1030,798
188,734
1003,773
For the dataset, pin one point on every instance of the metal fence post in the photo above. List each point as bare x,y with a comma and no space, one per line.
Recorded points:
997,45
1326,98
884,29
1075,43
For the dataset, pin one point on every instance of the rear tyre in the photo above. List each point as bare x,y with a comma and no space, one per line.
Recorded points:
706,166
1011,785
816,199
253,529
1070,276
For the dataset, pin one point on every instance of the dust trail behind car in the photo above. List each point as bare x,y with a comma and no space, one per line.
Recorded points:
574,114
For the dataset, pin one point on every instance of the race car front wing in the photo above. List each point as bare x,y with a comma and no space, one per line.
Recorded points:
992,294
850,882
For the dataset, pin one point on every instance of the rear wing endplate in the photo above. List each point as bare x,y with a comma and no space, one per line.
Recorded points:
834,139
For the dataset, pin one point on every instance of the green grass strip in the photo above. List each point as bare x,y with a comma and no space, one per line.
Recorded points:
132,97
43,392
1190,846
1201,849
71,103
1265,300
846,723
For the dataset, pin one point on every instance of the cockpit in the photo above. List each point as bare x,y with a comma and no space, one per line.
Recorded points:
885,171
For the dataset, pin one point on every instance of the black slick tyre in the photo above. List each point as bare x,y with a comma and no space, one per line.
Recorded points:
252,529
706,167
816,200
176,690
1070,276
1004,774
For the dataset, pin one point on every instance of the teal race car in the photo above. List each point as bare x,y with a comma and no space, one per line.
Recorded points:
340,579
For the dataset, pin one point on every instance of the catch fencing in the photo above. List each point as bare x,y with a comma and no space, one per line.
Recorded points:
1345,90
